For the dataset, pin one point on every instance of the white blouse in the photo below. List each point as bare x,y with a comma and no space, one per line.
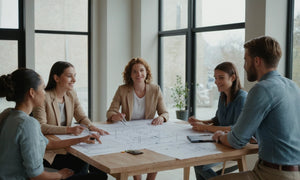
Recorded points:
62,114
138,111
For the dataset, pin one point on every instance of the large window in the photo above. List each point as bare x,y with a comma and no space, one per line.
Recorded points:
173,48
9,63
296,43
174,14
213,48
62,34
11,40
195,36
9,13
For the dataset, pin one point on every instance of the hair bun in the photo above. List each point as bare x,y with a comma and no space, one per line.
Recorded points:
6,87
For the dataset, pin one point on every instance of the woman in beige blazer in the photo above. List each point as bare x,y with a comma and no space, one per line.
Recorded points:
138,98
59,91
55,115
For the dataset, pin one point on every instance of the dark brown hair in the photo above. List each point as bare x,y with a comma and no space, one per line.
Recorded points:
266,48
231,70
57,69
14,86
127,71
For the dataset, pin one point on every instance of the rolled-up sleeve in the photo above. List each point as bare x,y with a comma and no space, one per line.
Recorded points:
255,109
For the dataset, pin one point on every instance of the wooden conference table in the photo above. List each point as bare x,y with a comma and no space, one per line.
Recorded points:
122,165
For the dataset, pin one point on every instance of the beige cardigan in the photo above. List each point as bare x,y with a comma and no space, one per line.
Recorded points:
49,117
124,97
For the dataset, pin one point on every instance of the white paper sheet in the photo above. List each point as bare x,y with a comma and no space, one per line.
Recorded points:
169,139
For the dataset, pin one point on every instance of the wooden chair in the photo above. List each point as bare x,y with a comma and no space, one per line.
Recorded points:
241,165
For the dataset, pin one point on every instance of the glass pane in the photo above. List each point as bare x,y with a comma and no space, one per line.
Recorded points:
296,44
173,58
212,49
64,15
9,63
9,14
72,48
216,12
174,14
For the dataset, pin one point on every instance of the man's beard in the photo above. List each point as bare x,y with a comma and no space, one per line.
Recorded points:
251,74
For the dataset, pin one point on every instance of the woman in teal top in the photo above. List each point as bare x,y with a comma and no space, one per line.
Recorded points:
24,152
231,102
22,143
227,114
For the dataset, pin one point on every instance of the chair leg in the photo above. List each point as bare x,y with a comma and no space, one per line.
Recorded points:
226,170
223,169
242,164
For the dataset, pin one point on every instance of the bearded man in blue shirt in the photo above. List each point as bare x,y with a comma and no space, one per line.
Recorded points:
271,113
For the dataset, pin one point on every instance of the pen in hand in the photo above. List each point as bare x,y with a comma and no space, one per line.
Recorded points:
123,120
88,131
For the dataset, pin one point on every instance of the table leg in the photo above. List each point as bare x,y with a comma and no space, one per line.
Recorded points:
122,176
242,164
186,173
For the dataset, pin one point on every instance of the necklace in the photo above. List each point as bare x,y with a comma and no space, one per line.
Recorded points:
140,94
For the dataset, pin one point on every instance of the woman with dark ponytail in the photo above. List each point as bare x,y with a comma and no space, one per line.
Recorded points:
22,144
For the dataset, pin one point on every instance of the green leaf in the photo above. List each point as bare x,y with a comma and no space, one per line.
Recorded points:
180,93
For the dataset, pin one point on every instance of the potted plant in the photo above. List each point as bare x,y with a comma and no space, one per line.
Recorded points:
180,93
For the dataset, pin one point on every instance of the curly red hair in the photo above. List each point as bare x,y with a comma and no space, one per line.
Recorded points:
127,71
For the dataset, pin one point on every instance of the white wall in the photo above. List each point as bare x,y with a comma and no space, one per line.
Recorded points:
267,17
276,22
29,34
111,51
99,54
149,34
122,29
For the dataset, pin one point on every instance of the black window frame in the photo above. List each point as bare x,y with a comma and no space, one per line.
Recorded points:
17,35
190,59
289,39
88,34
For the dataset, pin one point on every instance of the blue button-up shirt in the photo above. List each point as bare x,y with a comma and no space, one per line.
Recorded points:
22,147
227,115
272,113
